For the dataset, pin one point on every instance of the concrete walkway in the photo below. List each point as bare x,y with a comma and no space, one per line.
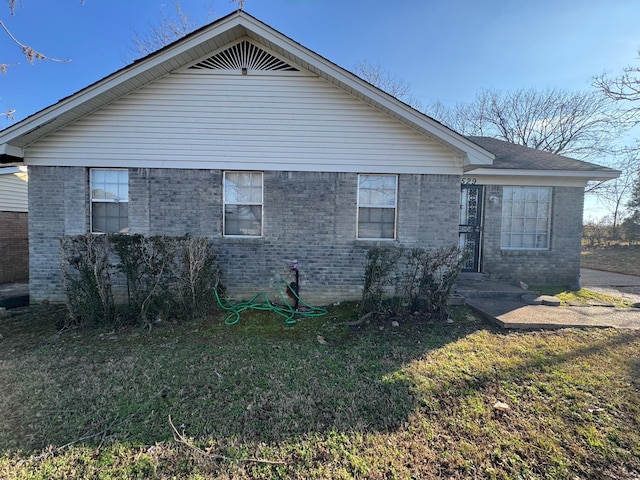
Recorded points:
503,304
614,284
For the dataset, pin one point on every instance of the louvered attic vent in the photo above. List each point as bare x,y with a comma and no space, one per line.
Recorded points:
244,55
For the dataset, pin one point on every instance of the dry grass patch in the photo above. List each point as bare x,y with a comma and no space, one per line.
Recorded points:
267,400
615,258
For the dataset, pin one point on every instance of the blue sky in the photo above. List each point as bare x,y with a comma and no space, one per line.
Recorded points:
446,49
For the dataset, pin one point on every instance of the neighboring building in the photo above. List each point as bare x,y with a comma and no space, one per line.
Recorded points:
14,238
240,134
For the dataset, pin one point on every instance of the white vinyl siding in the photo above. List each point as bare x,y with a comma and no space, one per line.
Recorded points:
109,200
253,122
525,218
243,197
377,205
13,192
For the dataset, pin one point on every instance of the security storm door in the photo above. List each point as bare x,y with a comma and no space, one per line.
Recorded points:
469,239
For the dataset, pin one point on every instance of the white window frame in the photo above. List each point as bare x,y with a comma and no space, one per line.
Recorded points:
525,218
365,205
93,201
225,203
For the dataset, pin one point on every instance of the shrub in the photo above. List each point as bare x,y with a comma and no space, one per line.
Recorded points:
165,277
86,273
399,281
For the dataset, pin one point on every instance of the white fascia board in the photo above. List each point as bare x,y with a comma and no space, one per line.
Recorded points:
11,150
9,170
583,175
521,180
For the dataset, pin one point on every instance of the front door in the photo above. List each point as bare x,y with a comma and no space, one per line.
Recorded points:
471,226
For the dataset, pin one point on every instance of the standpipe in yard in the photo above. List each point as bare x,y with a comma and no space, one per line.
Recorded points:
261,302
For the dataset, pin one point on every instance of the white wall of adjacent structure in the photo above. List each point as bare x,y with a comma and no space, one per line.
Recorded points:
265,121
13,190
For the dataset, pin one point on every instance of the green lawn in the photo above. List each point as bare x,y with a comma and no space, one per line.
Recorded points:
317,400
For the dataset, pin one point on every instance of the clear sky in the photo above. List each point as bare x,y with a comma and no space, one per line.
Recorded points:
446,49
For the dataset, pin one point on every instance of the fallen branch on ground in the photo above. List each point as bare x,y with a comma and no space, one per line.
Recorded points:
356,322
179,437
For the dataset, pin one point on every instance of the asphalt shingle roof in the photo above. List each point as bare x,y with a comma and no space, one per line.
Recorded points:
513,156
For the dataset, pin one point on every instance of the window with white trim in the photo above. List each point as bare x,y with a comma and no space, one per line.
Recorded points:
109,200
377,205
526,213
243,204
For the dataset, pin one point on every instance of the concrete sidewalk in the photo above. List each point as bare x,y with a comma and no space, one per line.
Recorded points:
614,284
503,304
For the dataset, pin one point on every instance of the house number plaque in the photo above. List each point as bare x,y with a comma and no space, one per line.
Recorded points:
468,181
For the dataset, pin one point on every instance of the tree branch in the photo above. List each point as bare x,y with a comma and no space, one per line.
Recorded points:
179,437
27,51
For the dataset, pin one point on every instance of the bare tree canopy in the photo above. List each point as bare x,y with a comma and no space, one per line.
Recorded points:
392,84
614,194
167,30
625,87
579,124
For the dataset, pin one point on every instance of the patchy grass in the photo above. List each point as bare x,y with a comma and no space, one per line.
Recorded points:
582,296
614,258
318,399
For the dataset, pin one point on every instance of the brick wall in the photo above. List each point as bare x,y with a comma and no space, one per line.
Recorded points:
559,265
58,199
308,216
14,247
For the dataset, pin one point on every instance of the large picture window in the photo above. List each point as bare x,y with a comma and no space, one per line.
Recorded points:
525,218
109,200
243,203
377,203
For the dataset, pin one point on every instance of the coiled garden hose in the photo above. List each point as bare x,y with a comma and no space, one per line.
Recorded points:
261,302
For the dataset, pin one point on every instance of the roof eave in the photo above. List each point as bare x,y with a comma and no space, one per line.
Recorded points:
10,153
586,175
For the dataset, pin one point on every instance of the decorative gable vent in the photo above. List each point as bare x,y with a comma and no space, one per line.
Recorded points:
244,55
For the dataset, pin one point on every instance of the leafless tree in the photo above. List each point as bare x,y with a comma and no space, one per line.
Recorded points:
614,194
578,124
170,28
625,87
390,83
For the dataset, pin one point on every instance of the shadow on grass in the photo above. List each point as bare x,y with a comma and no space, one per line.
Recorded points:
259,381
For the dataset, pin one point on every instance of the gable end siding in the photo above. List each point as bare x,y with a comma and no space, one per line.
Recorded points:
13,193
253,122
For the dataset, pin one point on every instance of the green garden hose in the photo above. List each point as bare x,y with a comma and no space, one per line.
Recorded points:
261,302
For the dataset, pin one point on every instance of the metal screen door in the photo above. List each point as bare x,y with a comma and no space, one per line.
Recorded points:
471,226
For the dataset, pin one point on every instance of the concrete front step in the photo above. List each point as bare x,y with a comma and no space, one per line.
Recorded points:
488,289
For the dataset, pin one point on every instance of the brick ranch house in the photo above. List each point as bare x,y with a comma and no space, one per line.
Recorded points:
14,240
238,133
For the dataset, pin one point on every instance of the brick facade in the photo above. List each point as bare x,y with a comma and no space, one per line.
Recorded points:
558,265
14,247
308,216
